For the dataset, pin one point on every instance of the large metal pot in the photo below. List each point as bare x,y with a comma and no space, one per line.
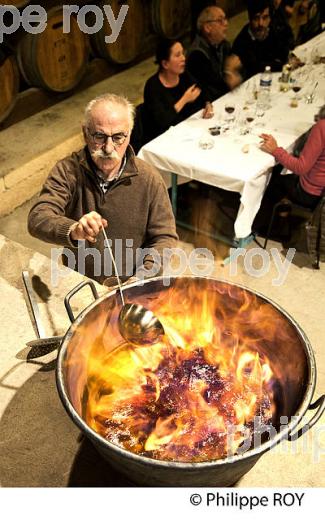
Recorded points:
294,365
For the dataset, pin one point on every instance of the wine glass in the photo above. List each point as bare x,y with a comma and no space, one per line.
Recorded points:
260,111
296,87
230,108
250,117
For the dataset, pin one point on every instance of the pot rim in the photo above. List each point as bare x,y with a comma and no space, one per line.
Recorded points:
252,452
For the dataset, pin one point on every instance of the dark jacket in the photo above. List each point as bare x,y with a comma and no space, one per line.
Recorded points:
256,55
206,63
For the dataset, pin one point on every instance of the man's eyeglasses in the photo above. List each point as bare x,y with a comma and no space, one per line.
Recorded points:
222,20
101,139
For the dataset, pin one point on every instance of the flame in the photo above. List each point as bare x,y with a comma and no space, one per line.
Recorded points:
178,399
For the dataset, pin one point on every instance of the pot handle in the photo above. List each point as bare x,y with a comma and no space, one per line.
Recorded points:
73,292
320,404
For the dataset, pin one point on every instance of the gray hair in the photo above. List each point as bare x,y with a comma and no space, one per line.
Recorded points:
205,16
113,100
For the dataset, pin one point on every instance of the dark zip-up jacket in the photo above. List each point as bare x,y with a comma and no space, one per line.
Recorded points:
206,63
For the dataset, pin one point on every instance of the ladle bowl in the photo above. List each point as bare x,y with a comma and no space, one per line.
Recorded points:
137,325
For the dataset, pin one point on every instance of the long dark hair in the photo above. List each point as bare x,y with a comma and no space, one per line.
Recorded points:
163,51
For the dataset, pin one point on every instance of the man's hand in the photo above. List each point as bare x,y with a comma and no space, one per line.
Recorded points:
88,227
268,143
232,71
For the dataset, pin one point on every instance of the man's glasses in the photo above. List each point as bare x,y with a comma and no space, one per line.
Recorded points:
101,139
222,20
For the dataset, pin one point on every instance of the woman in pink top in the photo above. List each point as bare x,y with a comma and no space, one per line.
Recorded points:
307,185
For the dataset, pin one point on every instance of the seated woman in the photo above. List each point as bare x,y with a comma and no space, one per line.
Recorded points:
307,185
171,95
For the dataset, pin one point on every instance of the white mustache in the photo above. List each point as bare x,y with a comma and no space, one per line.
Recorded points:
101,154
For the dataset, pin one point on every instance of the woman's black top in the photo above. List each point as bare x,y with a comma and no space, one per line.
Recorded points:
159,103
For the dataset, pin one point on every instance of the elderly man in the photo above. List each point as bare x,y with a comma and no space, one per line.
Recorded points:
258,44
209,59
105,185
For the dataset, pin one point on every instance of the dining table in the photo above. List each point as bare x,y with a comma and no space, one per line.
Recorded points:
232,158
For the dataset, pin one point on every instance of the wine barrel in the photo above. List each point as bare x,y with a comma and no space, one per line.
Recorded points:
171,18
16,3
9,86
129,42
54,60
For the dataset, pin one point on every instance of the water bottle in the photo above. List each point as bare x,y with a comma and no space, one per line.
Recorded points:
265,88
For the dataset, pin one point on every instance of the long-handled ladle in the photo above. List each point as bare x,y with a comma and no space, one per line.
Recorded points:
137,324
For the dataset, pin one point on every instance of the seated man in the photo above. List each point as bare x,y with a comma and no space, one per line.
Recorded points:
104,184
258,44
207,57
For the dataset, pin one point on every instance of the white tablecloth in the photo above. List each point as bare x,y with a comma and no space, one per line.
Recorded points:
226,165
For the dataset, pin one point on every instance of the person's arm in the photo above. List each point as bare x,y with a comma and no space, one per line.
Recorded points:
46,219
202,101
189,96
233,74
311,151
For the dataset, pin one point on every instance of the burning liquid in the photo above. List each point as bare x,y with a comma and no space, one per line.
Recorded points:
185,410
193,397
